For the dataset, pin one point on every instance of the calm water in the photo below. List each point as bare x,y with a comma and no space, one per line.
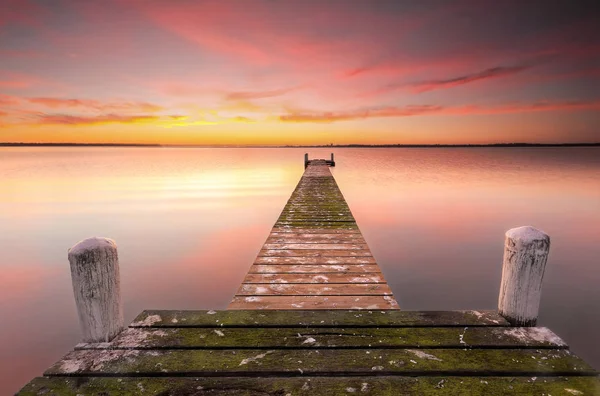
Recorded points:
188,223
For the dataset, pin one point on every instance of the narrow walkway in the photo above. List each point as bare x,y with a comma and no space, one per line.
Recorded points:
315,256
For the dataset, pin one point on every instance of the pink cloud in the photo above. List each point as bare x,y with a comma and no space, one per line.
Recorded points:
95,104
491,73
15,80
65,119
246,95
416,110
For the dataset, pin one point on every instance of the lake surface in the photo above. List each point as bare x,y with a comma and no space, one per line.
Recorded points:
189,222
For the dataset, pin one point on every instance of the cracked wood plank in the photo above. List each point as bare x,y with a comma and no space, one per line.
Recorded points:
313,302
344,289
275,338
312,386
228,362
302,318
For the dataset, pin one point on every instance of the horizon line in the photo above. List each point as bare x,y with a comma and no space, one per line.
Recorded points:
349,145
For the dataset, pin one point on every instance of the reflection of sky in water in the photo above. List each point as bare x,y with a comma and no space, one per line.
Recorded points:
189,222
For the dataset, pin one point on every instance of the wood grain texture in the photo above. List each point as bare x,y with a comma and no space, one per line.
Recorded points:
314,260
316,245
312,386
313,269
309,338
315,289
313,302
97,288
525,254
226,362
316,319
314,278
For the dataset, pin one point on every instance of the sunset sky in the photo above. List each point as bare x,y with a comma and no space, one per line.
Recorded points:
299,72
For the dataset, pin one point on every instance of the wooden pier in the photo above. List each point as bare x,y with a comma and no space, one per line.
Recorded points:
315,256
314,316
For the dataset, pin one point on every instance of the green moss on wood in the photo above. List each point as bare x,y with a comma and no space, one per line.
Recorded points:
313,386
317,319
272,338
322,361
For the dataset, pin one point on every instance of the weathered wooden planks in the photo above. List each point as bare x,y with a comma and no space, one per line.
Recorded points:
314,260
296,362
317,319
313,269
313,278
315,289
313,386
314,238
315,246
314,253
277,229
348,338
313,302
370,352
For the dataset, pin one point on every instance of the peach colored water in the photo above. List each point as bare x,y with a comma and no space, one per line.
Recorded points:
188,223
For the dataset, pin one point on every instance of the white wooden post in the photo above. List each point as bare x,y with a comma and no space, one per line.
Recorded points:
525,255
96,285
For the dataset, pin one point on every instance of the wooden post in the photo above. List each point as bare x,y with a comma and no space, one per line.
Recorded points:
332,158
305,160
96,285
525,255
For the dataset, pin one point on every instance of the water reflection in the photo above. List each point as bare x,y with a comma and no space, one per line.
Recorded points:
189,222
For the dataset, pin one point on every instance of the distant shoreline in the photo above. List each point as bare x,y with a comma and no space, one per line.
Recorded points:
305,146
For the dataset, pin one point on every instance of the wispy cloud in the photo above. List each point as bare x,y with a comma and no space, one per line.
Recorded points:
417,110
519,107
7,100
404,111
493,72
65,119
247,95
16,80
95,104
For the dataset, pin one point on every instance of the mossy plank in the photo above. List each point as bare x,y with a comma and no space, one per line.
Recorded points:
314,230
339,206
320,216
313,236
313,278
225,362
312,386
316,246
344,289
314,260
314,253
315,240
299,337
316,210
313,269
316,319
313,302
320,225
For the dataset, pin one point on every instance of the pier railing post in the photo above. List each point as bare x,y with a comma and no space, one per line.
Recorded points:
97,289
305,160
525,255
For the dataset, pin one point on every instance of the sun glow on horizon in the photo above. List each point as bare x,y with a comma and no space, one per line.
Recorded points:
216,73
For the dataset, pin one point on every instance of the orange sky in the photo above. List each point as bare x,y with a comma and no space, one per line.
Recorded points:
298,72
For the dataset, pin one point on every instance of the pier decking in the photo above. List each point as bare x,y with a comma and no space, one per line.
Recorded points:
296,352
314,316
315,256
